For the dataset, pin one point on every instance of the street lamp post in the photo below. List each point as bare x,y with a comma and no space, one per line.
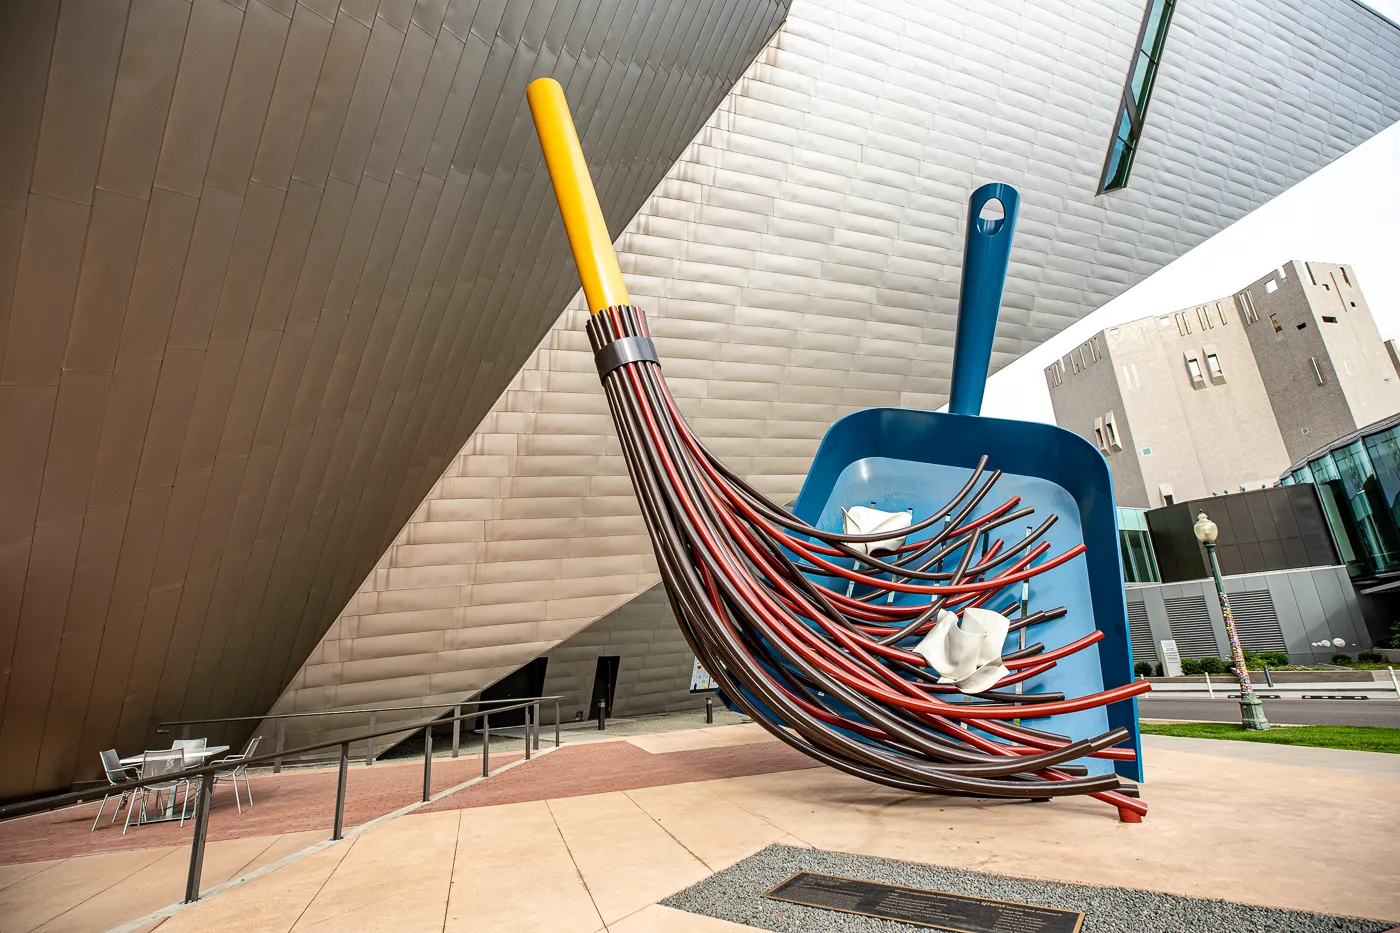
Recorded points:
1251,710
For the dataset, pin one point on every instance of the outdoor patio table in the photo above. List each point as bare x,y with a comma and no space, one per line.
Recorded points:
134,761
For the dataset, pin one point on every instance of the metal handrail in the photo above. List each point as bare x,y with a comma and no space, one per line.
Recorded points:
162,728
206,775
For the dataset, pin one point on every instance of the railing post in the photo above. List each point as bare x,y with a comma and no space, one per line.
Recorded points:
281,744
602,712
526,711
427,761
456,729
184,732
537,725
369,749
485,744
201,831
556,721
338,832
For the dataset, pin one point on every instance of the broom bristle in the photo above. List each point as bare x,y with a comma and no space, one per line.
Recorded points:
832,670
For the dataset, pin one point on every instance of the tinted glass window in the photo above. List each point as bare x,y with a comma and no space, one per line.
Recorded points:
1137,92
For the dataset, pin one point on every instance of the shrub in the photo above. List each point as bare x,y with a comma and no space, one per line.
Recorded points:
1143,668
1370,657
1341,659
1213,666
1161,672
1274,658
1393,639
1190,667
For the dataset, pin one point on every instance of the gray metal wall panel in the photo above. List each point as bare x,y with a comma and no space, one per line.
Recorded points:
1312,605
654,671
264,268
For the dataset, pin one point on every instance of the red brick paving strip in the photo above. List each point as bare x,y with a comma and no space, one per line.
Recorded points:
293,801
576,770
297,801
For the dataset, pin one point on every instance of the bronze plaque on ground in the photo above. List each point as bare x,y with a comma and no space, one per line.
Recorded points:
956,913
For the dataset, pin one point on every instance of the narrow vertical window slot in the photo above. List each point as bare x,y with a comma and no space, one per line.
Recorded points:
1137,92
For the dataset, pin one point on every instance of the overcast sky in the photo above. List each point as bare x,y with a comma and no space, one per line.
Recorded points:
1347,212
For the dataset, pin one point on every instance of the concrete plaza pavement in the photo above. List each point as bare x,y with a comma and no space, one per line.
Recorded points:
1309,829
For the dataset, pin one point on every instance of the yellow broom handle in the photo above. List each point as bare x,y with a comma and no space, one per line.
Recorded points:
578,202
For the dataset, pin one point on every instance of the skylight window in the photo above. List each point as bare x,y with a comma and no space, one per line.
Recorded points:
1127,126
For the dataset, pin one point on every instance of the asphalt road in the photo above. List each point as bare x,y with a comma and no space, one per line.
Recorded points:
1285,712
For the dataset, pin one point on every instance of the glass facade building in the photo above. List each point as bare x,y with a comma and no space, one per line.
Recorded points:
1139,560
1358,480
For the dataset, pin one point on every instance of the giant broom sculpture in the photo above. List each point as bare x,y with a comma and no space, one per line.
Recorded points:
872,649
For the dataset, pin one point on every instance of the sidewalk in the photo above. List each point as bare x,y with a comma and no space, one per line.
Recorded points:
590,838
602,862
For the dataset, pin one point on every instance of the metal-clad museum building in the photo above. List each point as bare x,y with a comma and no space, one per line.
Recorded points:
271,276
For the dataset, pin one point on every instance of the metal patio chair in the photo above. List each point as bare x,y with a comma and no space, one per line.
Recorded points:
157,764
237,770
116,774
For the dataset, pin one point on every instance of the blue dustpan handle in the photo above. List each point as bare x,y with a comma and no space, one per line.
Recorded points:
985,259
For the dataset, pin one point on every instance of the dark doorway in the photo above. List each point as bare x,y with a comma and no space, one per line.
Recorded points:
527,681
604,685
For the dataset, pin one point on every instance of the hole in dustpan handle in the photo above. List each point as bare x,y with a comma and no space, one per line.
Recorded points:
986,256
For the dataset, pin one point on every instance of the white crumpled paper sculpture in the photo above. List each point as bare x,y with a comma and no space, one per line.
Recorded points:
860,520
967,653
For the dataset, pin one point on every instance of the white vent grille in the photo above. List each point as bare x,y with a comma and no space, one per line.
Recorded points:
1141,634
1256,622
1190,624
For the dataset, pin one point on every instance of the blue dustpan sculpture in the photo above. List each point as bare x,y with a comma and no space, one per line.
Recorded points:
900,458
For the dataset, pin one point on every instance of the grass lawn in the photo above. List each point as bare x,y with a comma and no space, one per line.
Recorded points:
1357,738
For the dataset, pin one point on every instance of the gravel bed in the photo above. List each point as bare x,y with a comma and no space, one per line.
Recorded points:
736,894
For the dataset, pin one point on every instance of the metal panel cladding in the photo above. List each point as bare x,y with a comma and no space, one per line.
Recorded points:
264,266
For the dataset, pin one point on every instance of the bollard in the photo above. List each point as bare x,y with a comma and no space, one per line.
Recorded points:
1268,675
456,729
486,745
1210,689
427,762
338,830
709,711
1394,683
281,744
602,712
201,832
369,749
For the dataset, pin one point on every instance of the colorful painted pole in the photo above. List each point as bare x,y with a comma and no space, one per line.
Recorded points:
1251,709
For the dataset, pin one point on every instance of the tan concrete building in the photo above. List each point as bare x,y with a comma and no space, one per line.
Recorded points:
1222,396
1319,352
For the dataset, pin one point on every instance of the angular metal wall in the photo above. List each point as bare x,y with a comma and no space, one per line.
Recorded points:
800,261
654,662
264,266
